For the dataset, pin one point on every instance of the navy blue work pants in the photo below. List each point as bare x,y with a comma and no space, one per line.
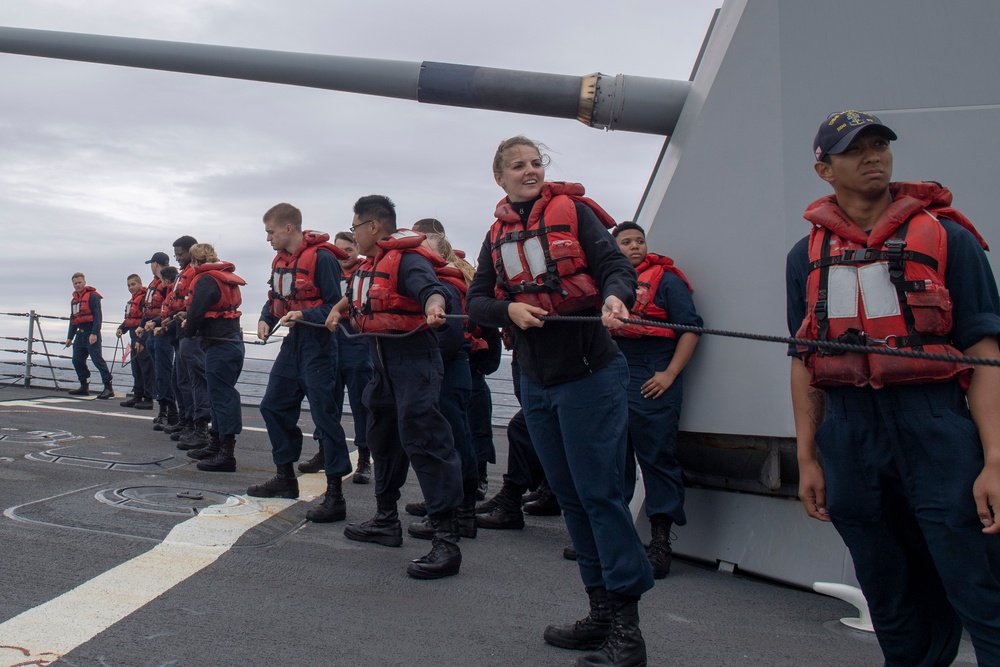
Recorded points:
223,365
652,429
456,393
579,432
354,372
405,426
142,368
481,419
304,368
190,385
524,470
162,349
899,464
83,349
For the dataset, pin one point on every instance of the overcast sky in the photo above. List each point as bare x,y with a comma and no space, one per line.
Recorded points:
101,166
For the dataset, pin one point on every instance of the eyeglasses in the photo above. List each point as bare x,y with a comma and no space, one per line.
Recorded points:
355,227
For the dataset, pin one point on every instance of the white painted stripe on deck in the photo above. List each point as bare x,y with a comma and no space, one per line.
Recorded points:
42,635
46,404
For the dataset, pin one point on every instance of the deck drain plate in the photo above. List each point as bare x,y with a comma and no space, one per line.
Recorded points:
168,499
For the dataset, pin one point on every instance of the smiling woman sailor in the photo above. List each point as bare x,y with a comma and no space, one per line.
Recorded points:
549,253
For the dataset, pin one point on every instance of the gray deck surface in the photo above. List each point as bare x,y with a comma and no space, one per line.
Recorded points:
295,593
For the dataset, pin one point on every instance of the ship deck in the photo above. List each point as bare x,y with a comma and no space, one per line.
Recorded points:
110,557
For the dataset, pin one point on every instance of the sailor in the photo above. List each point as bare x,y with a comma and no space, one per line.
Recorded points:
573,381
396,291
161,352
305,284
194,407
84,335
484,359
354,371
902,455
455,401
143,382
213,319
656,357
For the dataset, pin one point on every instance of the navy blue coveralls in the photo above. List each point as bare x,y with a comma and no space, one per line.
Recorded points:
405,424
573,393
80,335
162,351
899,464
456,393
224,351
652,423
188,377
305,368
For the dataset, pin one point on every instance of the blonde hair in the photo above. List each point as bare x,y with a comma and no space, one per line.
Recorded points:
519,140
442,246
203,253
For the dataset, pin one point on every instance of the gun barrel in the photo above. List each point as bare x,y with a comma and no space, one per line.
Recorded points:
630,103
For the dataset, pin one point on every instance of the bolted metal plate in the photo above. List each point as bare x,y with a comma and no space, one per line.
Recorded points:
168,499
17,436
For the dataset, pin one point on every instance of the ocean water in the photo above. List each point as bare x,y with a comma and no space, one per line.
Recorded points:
50,364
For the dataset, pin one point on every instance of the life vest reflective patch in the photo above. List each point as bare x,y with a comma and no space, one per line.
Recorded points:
878,294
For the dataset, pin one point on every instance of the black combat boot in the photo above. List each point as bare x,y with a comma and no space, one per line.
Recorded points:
82,390
108,392
569,553
144,403
415,509
465,516
182,428
507,514
333,507
131,401
586,634
546,503
658,551
282,485
224,460
196,438
315,464
507,489
445,558
363,473
171,418
384,528
161,416
624,646
209,451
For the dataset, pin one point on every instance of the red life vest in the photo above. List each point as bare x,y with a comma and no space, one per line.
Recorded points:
376,304
152,302
542,263
79,309
133,310
882,288
223,273
177,298
293,275
650,273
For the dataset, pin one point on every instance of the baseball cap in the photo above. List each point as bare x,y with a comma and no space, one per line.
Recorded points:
160,258
839,129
